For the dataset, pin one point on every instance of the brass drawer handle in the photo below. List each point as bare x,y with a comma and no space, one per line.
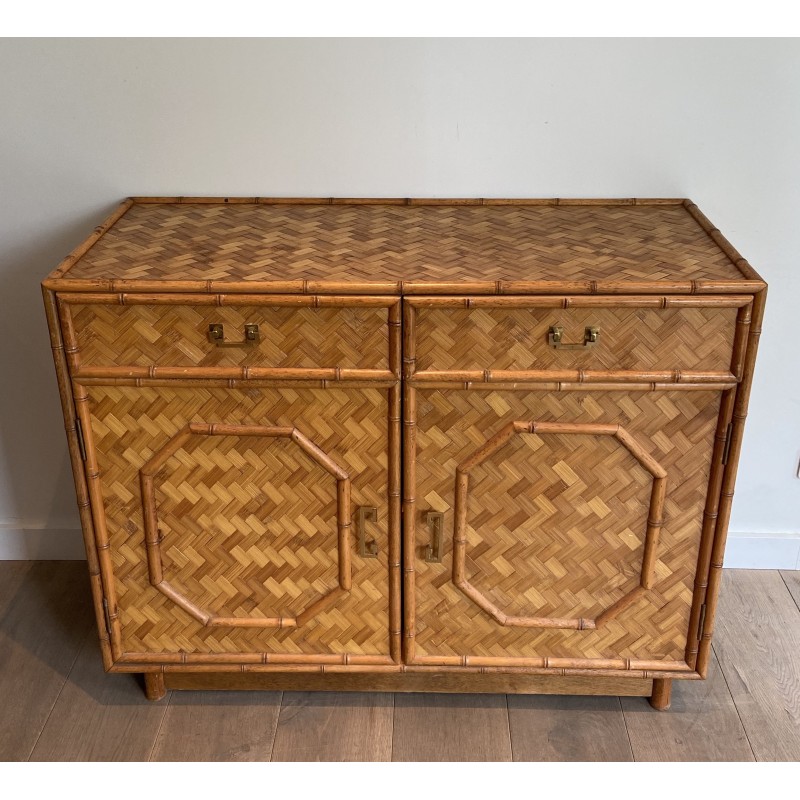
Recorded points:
366,549
435,522
556,333
216,334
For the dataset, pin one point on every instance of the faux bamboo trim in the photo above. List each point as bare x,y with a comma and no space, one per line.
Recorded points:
645,459
187,605
245,374
395,323
83,248
274,659
395,445
728,483
655,522
730,251
343,527
92,472
400,669
624,602
599,287
710,515
252,287
172,445
543,662
151,534
416,201
407,288
216,299
676,376
579,301
227,383
76,461
604,673
71,345
409,443
563,386
324,603
743,319
515,386
252,622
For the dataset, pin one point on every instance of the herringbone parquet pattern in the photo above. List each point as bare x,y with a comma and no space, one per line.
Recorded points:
177,336
409,243
248,523
555,523
630,338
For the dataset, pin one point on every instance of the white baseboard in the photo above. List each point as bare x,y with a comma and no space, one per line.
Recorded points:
40,544
763,551
743,551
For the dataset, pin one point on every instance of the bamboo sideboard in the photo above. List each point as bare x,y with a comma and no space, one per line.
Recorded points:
447,445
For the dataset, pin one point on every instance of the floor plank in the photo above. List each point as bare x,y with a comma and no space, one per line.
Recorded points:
334,726
792,580
99,717
12,576
547,728
757,641
45,615
451,727
218,726
701,725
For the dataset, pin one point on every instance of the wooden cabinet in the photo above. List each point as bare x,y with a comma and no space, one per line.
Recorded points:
448,445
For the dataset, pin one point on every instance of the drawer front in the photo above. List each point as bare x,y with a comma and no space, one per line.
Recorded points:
571,546
228,523
291,334
491,335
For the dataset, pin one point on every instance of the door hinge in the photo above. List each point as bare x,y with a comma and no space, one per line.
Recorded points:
701,625
107,617
81,442
726,449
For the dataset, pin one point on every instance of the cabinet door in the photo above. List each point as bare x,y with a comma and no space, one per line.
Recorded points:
570,526
227,522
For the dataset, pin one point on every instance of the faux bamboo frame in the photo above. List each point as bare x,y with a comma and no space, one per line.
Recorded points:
747,294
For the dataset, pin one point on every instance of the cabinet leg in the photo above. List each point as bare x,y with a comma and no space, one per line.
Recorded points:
154,688
660,698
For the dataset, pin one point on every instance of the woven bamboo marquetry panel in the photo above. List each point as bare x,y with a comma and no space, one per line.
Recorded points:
556,523
177,335
352,243
629,339
247,524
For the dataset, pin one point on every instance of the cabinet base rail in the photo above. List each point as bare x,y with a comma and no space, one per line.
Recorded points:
658,690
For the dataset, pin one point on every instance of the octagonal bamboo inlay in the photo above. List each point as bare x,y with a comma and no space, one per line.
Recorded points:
654,521
153,537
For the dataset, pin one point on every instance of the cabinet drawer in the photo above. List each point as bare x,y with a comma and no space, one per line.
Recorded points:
636,334
290,333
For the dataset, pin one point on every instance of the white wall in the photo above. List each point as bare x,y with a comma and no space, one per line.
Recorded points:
88,122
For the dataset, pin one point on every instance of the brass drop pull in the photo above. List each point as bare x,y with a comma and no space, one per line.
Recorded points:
435,522
216,334
366,549
556,334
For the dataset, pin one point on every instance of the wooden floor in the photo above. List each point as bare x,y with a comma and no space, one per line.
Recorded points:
57,704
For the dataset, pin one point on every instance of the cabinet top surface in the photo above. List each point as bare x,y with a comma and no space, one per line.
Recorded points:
369,246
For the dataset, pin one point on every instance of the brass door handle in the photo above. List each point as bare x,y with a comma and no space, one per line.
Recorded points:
366,549
556,333
216,334
435,522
